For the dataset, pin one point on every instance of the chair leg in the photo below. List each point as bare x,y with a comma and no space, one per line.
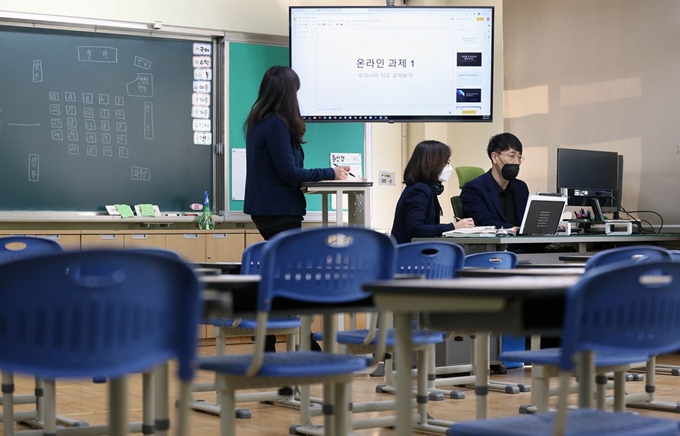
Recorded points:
8,402
162,420
601,385
228,404
118,407
148,402
329,410
620,391
183,411
49,410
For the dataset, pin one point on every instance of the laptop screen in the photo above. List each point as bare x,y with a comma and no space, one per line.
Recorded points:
542,215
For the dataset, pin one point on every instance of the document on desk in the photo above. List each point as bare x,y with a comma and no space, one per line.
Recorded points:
471,232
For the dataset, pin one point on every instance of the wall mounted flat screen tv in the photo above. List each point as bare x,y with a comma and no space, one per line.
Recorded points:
393,63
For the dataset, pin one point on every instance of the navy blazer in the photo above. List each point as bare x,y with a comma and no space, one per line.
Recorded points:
274,171
417,214
482,203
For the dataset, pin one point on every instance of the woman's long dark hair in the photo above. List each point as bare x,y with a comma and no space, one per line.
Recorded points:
278,96
428,160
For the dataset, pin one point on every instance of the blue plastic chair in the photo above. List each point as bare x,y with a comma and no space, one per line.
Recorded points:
14,248
675,254
285,325
492,259
323,270
630,254
99,313
631,309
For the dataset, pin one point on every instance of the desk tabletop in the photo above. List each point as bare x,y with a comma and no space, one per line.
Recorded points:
490,272
226,267
337,184
556,239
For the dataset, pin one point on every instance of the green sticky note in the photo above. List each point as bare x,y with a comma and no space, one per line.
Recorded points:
147,209
124,210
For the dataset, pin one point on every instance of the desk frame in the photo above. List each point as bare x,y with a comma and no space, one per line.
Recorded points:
358,210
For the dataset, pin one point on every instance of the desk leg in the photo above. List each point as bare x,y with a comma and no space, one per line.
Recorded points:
339,207
403,351
481,373
324,209
357,211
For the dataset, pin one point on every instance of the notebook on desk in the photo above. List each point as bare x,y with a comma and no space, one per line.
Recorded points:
542,215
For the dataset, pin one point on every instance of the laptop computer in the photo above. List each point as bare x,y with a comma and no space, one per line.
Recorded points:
542,215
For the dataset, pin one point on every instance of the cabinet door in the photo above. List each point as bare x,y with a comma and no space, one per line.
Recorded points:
191,246
106,240
224,247
67,242
144,240
252,238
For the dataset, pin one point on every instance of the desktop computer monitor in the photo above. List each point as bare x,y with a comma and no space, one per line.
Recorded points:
589,174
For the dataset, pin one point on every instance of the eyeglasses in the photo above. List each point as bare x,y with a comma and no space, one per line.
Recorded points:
514,157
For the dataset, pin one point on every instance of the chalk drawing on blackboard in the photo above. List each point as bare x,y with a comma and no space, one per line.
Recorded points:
90,124
104,113
97,54
200,112
88,112
55,123
142,86
123,152
90,138
37,71
104,99
107,151
70,110
121,127
24,124
142,63
141,173
148,120
105,125
92,150
202,138
202,73
72,135
70,96
73,149
200,99
88,98
121,139
120,101
71,122
106,138
202,125
54,96
33,168
55,109
57,135
120,114
202,86
202,48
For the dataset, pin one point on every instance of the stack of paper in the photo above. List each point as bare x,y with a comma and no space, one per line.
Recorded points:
471,232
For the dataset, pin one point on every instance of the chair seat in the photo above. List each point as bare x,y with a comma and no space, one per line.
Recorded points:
356,337
300,364
581,422
551,356
283,322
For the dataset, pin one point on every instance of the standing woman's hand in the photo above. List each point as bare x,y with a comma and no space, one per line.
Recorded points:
341,172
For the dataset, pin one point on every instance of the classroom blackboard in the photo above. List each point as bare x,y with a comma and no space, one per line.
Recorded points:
247,64
89,119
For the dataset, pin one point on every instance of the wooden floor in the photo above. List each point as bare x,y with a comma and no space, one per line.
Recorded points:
87,401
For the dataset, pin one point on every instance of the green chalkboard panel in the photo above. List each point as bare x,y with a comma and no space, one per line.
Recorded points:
89,119
247,64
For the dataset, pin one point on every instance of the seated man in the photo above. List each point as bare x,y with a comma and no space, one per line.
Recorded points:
498,198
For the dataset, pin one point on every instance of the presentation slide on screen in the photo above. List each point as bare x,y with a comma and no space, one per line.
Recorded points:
375,64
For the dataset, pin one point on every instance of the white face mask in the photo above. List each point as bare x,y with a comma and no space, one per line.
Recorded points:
446,173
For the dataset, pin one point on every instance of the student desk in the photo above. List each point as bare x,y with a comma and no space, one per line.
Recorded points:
356,192
521,272
468,304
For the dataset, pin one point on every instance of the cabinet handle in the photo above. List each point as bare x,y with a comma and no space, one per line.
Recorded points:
52,236
219,236
191,236
109,237
139,236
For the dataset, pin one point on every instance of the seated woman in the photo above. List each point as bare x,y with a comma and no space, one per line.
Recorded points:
418,211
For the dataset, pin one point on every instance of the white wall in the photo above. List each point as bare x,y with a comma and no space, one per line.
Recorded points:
389,151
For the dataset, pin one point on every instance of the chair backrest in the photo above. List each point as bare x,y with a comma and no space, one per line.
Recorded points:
20,247
159,252
629,254
457,205
434,260
492,259
675,254
250,259
325,265
97,313
465,174
632,308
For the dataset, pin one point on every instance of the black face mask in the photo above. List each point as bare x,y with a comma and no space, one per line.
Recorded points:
510,171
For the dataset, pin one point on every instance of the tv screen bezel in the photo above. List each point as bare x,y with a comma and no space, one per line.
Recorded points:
404,118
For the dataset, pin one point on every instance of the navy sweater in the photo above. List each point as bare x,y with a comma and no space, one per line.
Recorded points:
417,214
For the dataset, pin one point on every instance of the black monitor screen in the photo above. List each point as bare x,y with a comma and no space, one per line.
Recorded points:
388,64
587,170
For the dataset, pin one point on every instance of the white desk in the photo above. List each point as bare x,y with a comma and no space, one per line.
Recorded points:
356,192
472,304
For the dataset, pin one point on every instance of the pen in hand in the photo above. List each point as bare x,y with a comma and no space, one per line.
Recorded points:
349,172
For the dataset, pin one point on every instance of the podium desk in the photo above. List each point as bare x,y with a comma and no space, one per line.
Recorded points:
356,193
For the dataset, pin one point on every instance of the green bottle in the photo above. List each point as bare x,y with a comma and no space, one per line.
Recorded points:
205,221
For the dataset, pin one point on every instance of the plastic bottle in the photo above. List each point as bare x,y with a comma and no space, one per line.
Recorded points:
205,221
